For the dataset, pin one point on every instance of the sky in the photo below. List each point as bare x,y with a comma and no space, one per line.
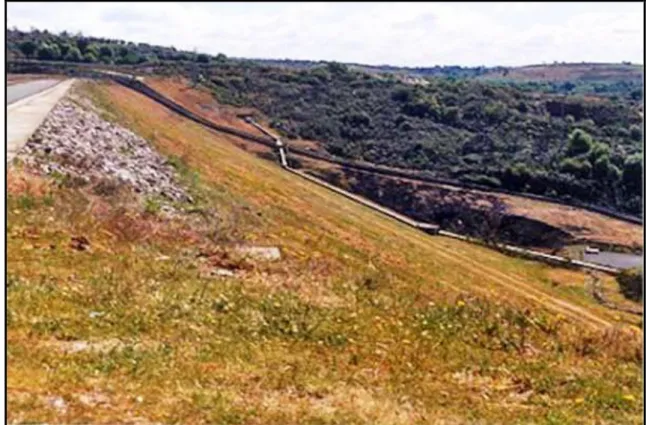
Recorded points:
398,33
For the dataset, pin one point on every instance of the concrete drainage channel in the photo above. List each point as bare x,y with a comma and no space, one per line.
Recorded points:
428,227
276,143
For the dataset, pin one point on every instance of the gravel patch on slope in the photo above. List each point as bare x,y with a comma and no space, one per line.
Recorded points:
76,142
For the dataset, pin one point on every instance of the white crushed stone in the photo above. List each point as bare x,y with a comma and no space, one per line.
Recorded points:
93,399
57,403
270,253
79,143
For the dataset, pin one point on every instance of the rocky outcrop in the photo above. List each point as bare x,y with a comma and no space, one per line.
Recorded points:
76,142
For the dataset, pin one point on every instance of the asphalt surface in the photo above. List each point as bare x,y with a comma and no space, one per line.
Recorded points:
16,92
25,114
615,259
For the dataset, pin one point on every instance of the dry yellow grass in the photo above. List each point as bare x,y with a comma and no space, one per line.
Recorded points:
364,320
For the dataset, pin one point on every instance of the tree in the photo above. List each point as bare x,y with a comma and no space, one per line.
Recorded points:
633,169
48,52
93,49
28,48
579,143
82,43
402,95
598,151
73,55
89,57
614,173
337,68
516,177
123,51
152,59
630,283
105,51
635,133
131,58
568,86
601,168
576,167
203,58
65,47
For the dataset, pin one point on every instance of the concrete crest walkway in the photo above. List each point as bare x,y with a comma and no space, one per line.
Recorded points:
25,115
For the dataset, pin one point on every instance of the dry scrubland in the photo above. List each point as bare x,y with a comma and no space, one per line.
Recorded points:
581,224
363,321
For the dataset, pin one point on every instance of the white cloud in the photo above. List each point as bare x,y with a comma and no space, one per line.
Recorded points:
413,34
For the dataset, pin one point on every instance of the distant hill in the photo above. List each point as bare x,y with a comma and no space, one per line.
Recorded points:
571,71
600,79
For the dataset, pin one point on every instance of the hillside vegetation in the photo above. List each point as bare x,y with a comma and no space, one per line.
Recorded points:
600,79
426,202
363,320
570,147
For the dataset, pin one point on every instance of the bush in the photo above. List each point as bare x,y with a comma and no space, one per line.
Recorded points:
28,48
635,133
203,58
82,44
402,95
105,51
48,52
89,57
630,283
73,55
633,173
576,167
579,143
482,180
598,151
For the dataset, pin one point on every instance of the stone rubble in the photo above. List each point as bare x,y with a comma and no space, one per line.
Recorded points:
76,142
270,253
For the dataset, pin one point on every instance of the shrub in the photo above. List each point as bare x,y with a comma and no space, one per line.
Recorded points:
105,51
203,58
73,55
635,133
402,95
48,52
28,48
633,170
576,167
598,151
482,180
89,57
630,283
579,143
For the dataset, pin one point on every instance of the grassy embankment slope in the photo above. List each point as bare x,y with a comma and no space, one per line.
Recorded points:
364,320
581,224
